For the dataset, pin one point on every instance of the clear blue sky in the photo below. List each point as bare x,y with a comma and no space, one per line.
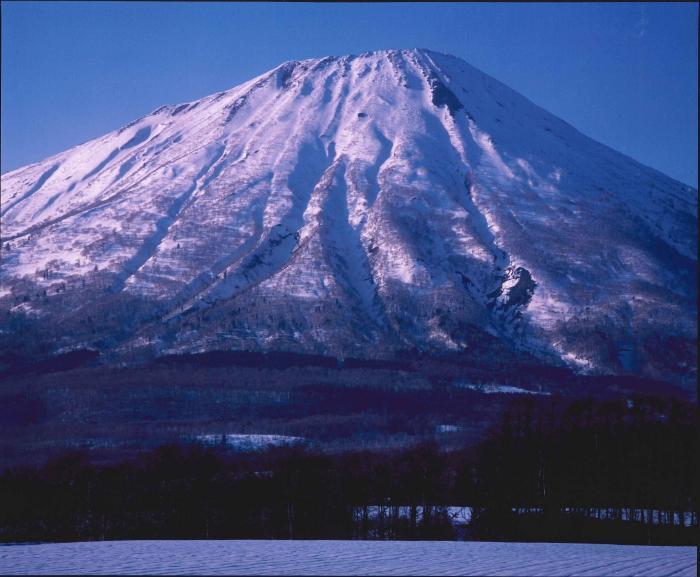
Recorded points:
625,74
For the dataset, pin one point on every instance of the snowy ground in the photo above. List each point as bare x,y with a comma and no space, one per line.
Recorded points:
248,442
345,557
461,515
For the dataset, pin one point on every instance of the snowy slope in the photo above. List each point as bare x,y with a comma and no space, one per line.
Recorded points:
354,206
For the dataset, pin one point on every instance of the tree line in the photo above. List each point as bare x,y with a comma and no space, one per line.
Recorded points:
538,475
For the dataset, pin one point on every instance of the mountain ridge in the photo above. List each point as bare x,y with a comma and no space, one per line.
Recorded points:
355,206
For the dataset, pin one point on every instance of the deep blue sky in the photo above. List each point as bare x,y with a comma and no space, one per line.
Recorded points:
625,74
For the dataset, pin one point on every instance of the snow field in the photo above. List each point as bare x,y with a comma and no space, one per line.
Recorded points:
346,558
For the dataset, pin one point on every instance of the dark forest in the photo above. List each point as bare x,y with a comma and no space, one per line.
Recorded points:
608,471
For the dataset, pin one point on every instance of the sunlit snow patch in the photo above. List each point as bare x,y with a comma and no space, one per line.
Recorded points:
248,442
499,389
448,429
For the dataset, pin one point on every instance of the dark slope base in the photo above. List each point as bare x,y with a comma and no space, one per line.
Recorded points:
438,370
51,406
12,364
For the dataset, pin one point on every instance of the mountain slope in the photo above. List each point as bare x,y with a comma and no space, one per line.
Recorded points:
354,206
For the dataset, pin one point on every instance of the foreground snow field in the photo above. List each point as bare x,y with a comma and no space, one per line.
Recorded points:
346,558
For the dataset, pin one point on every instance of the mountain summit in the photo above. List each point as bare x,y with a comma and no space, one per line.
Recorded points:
353,206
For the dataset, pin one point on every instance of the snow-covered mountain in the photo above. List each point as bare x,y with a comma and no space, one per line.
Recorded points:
354,206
